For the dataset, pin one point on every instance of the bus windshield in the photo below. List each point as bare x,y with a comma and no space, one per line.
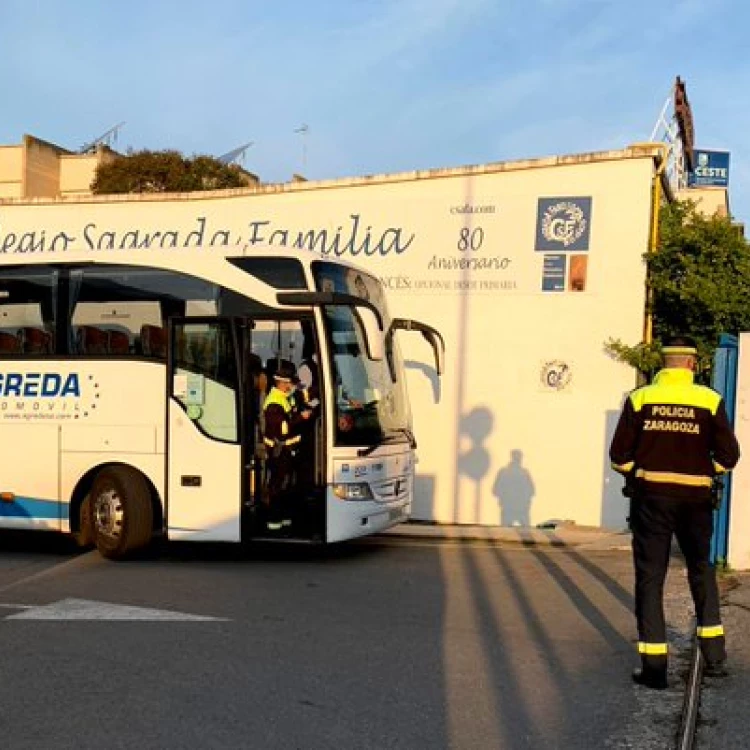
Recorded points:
371,407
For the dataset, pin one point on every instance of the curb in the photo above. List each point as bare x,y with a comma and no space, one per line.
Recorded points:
564,537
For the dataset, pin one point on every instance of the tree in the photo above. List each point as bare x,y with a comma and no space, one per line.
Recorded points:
165,171
699,275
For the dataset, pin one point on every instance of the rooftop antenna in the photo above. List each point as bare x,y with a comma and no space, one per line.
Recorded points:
237,155
303,130
107,138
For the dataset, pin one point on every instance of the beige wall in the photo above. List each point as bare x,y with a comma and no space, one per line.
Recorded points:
710,201
37,169
11,171
496,441
77,172
42,168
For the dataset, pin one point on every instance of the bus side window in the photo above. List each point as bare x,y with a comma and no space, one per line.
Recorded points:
154,341
123,311
27,310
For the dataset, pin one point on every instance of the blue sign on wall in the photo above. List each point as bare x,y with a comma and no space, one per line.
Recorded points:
553,273
563,224
710,169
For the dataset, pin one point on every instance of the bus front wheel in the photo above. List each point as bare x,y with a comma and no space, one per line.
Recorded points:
121,511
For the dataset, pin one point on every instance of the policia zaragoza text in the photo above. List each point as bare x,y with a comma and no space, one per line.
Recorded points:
675,425
673,438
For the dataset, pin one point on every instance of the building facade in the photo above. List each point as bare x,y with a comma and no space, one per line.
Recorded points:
526,267
38,169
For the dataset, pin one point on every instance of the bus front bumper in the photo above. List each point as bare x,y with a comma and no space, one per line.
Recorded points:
349,519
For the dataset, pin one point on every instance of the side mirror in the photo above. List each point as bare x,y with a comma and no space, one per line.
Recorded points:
435,340
431,335
372,332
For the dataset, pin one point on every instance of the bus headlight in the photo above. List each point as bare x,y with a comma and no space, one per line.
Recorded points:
353,491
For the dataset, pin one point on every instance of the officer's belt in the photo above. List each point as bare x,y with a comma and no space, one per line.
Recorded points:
673,477
289,441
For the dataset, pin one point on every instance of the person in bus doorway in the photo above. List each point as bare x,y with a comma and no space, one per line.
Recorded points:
282,435
307,396
308,387
672,439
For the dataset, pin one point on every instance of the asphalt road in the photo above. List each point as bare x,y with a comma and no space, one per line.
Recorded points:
372,645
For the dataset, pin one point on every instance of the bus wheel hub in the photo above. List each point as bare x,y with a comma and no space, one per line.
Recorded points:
108,513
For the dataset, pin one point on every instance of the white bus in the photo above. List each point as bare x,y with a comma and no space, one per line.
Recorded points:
132,385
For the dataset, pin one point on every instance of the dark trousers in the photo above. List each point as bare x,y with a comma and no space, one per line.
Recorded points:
280,482
653,521
306,462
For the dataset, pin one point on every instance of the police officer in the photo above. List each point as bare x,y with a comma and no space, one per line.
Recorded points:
281,435
673,438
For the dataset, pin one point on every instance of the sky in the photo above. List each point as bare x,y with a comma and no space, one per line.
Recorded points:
382,85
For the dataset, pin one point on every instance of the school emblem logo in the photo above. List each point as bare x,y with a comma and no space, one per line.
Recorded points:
555,375
563,224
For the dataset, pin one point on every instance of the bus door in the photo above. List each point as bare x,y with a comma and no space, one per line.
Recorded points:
268,341
204,432
255,383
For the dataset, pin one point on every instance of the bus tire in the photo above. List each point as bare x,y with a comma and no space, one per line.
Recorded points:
84,537
121,511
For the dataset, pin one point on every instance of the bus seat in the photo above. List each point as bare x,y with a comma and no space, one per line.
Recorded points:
259,379
262,384
255,366
35,340
92,340
9,343
154,341
119,342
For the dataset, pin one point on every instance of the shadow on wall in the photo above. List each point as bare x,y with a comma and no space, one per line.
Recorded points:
430,373
423,505
514,490
614,504
474,462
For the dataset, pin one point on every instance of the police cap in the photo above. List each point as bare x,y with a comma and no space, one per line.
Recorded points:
285,371
680,345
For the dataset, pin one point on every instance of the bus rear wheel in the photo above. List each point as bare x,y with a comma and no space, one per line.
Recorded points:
84,537
121,511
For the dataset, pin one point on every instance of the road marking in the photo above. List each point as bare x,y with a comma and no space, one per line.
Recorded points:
83,609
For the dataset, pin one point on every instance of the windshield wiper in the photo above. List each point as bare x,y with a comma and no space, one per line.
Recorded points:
409,436
362,452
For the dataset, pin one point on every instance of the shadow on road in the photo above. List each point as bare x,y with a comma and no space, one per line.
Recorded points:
293,552
37,543
526,612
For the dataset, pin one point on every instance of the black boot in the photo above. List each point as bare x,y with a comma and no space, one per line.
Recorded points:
716,668
651,678
714,652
